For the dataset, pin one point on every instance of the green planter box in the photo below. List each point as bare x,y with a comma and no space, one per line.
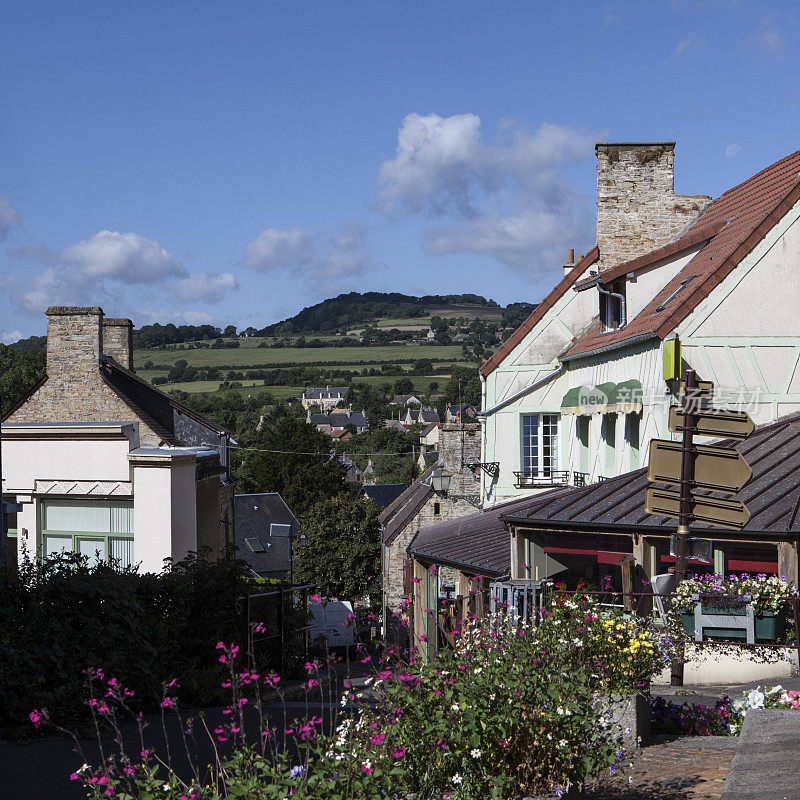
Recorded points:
770,625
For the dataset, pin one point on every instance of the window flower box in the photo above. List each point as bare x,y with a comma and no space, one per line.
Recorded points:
770,626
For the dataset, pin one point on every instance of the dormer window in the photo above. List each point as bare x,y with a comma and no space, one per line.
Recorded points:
612,305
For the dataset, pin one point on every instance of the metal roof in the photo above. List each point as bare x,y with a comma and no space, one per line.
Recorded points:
772,496
475,543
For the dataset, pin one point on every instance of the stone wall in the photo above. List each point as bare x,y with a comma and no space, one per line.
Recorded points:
637,208
117,341
74,390
459,443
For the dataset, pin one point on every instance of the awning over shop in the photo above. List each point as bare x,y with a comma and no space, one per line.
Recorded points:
585,400
627,397
607,398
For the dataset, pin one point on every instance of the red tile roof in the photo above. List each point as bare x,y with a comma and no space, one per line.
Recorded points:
751,210
540,310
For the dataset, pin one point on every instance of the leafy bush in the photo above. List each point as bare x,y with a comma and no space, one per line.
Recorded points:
691,719
508,711
63,615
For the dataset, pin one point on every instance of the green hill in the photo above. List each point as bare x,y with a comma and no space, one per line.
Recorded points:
354,309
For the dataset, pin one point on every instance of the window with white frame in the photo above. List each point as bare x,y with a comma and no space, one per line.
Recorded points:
539,444
98,529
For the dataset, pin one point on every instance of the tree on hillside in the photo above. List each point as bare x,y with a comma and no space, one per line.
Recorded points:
403,386
294,459
230,330
19,372
342,553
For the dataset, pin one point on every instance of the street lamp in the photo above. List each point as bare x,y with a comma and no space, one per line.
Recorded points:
440,481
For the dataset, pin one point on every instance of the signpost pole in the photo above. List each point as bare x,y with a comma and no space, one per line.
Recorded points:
687,477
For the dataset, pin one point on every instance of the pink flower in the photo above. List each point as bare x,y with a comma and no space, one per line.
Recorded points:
38,718
377,738
167,702
399,753
365,768
315,598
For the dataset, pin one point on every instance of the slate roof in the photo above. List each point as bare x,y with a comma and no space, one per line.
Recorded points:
382,494
541,309
253,514
741,217
398,514
476,543
325,392
617,505
339,420
423,416
151,405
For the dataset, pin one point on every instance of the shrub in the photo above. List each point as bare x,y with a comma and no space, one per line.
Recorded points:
63,615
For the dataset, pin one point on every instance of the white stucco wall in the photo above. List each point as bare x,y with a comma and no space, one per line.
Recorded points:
745,337
164,510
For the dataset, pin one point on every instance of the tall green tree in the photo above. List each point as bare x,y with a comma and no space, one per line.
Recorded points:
294,459
342,552
19,373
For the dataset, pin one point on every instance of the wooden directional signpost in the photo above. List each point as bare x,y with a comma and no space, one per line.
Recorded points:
689,466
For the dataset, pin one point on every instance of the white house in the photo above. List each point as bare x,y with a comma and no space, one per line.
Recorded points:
578,391
103,462
325,398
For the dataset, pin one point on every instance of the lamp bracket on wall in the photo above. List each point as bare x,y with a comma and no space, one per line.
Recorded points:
491,468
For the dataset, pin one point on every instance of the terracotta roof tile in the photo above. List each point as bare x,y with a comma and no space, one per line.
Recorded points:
750,210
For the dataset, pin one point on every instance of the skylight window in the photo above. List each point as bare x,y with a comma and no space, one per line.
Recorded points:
255,545
675,292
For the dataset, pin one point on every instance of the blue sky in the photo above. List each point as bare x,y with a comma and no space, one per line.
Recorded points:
234,162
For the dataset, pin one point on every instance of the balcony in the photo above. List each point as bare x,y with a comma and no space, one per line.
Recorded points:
550,477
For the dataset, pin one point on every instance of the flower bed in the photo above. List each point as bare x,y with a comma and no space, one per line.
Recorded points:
509,711
724,719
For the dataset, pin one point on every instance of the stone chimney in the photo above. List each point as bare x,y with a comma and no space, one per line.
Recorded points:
117,341
459,445
74,339
637,208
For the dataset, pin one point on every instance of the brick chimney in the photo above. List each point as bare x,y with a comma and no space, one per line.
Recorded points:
117,341
74,338
637,208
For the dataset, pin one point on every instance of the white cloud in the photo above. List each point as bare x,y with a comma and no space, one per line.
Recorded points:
772,43
9,217
324,261
125,257
207,286
58,286
9,337
733,150
505,199
274,248
687,45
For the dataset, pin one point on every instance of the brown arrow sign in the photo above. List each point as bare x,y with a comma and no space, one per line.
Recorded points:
717,468
727,424
725,513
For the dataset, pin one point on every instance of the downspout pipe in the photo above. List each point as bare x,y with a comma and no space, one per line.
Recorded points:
621,297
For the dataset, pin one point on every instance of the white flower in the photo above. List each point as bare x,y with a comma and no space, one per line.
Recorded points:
755,699
84,768
454,707
559,710
457,778
367,764
563,743
166,787
475,753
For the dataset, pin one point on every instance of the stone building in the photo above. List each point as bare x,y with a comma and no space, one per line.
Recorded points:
420,505
103,462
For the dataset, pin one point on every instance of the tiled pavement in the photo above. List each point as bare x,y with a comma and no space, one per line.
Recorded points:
690,768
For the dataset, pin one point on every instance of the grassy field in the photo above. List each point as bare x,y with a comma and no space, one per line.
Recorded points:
244,357
281,393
